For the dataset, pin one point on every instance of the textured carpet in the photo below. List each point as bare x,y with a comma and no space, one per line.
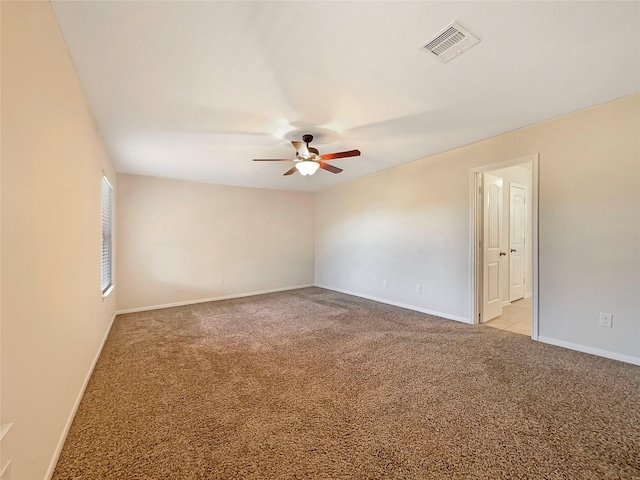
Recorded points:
316,384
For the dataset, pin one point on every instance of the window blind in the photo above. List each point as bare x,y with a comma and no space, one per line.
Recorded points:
107,200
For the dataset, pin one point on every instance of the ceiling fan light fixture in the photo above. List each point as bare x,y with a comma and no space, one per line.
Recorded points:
307,167
308,159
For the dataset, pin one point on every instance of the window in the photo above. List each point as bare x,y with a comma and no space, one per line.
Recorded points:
107,258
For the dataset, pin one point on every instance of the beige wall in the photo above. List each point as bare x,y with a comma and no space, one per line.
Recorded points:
410,225
54,318
178,239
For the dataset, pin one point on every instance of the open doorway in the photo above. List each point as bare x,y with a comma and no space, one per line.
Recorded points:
504,245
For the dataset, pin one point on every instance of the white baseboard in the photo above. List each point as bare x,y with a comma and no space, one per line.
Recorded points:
398,304
67,427
212,299
593,351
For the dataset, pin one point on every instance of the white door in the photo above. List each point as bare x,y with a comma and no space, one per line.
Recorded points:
517,231
491,303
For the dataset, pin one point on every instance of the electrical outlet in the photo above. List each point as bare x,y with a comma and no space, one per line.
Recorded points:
221,281
606,319
418,288
384,284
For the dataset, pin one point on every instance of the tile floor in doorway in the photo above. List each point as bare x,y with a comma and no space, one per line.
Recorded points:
516,317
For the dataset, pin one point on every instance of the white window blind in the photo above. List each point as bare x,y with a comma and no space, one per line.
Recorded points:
107,201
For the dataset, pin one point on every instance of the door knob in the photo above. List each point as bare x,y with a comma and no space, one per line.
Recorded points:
513,250
502,254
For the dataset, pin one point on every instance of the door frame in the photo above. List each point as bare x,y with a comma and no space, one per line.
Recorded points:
475,236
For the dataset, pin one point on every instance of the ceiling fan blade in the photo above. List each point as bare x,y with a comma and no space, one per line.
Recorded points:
329,168
289,172
333,156
272,160
301,148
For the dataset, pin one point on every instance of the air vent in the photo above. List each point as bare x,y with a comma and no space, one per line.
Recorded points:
450,42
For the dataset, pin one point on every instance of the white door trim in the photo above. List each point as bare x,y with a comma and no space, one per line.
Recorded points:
475,219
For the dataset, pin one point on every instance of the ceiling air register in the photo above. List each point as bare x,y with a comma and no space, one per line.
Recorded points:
450,42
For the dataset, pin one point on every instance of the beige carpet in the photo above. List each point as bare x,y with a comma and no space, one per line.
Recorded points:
315,384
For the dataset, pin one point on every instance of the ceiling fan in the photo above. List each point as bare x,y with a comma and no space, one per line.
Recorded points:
308,159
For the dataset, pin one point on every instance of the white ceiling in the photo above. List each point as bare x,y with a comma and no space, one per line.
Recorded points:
195,90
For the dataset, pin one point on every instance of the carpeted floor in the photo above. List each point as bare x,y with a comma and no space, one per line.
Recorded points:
316,384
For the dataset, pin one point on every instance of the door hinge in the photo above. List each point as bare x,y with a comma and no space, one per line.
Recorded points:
480,244
480,190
